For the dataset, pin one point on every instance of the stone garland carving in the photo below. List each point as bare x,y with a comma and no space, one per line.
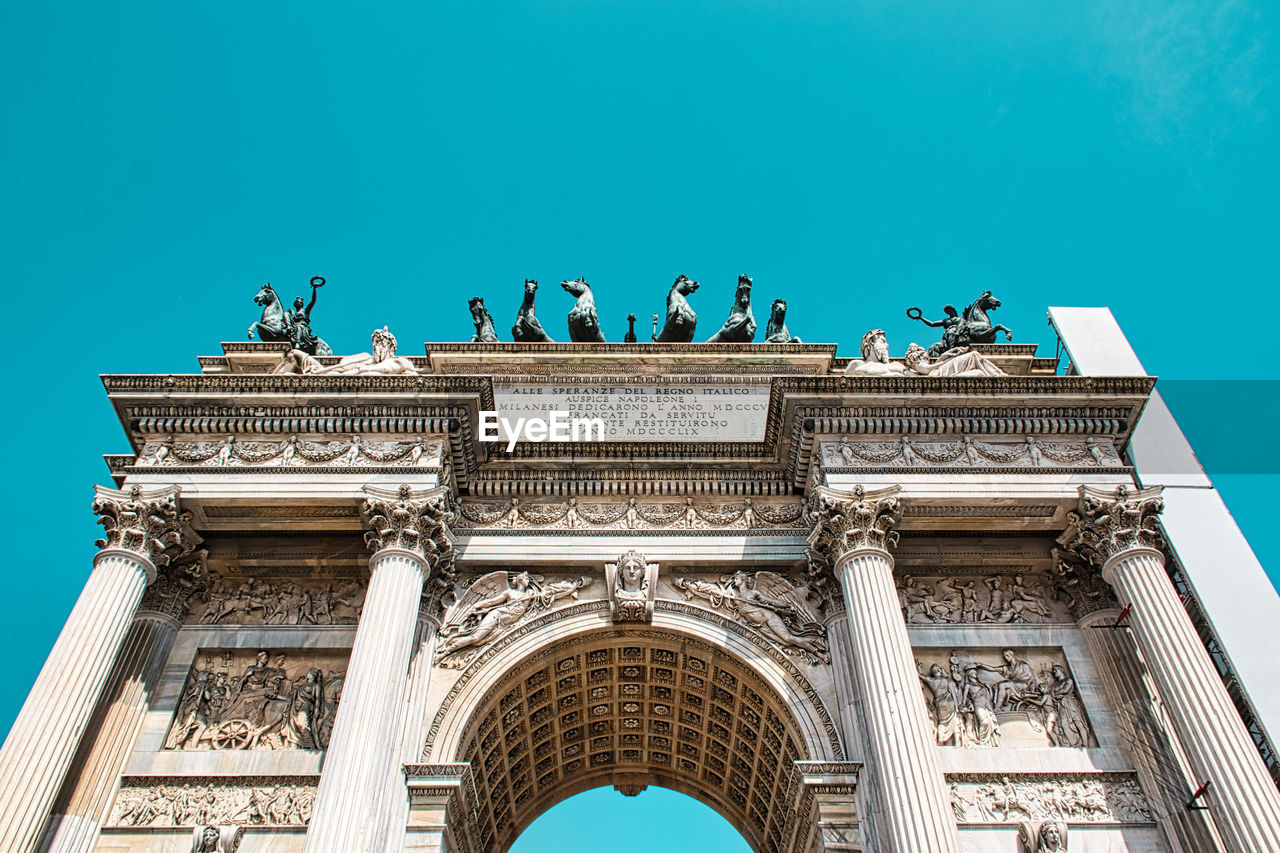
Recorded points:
216,839
966,700
633,586
494,605
632,514
196,803
769,603
147,522
254,601
1079,799
949,600
268,705
292,452
969,452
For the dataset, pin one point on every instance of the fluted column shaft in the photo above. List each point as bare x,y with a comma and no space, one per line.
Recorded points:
38,752
1242,799
367,734
1145,734
82,803
415,710
904,751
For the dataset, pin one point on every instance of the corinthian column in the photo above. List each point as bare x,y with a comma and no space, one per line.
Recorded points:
143,530
411,542
1117,532
854,532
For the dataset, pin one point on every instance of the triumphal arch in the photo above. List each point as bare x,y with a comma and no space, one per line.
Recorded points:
920,604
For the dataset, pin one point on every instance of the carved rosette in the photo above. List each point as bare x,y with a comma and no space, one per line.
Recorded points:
861,520
418,524
1109,524
146,522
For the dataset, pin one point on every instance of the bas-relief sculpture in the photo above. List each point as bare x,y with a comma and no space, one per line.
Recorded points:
293,451
485,333
630,514
198,803
681,320
967,698
769,603
971,327
493,605
633,584
776,331
527,328
1028,451
1112,798
960,361
278,325
383,361
255,601
584,323
740,328
950,599
232,701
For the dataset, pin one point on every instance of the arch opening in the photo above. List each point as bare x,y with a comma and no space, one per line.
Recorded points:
629,709
655,819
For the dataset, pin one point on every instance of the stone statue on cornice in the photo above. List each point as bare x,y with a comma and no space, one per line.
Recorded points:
382,362
875,361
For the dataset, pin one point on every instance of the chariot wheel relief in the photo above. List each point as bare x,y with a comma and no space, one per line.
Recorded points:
232,734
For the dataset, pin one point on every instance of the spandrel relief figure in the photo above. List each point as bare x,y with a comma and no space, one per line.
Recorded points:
263,708
383,361
769,603
492,606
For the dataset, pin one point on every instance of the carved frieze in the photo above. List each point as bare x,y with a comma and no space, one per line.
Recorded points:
200,802
633,585
768,602
1000,599
630,514
245,699
967,452
259,601
292,452
1077,798
1018,698
494,605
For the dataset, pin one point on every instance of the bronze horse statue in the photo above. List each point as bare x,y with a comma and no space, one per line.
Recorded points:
740,328
776,332
280,325
978,326
527,328
584,323
485,333
682,320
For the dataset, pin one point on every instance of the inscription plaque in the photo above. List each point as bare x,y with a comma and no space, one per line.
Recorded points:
644,411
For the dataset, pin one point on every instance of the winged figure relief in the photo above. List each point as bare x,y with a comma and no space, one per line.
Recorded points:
492,606
769,603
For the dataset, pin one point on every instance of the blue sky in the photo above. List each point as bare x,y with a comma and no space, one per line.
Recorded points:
160,162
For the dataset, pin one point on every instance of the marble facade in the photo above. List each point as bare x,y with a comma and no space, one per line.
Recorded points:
864,613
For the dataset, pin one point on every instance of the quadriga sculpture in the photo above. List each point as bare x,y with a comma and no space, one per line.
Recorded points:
584,324
682,320
527,328
776,332
740,328
485,333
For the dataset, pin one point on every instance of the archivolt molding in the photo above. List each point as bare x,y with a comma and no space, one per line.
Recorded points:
572,624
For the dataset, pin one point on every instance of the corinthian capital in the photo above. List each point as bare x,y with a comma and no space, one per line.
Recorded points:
146,522
1109,523
855,521
418,523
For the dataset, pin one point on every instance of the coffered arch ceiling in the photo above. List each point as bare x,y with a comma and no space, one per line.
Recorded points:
634,707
